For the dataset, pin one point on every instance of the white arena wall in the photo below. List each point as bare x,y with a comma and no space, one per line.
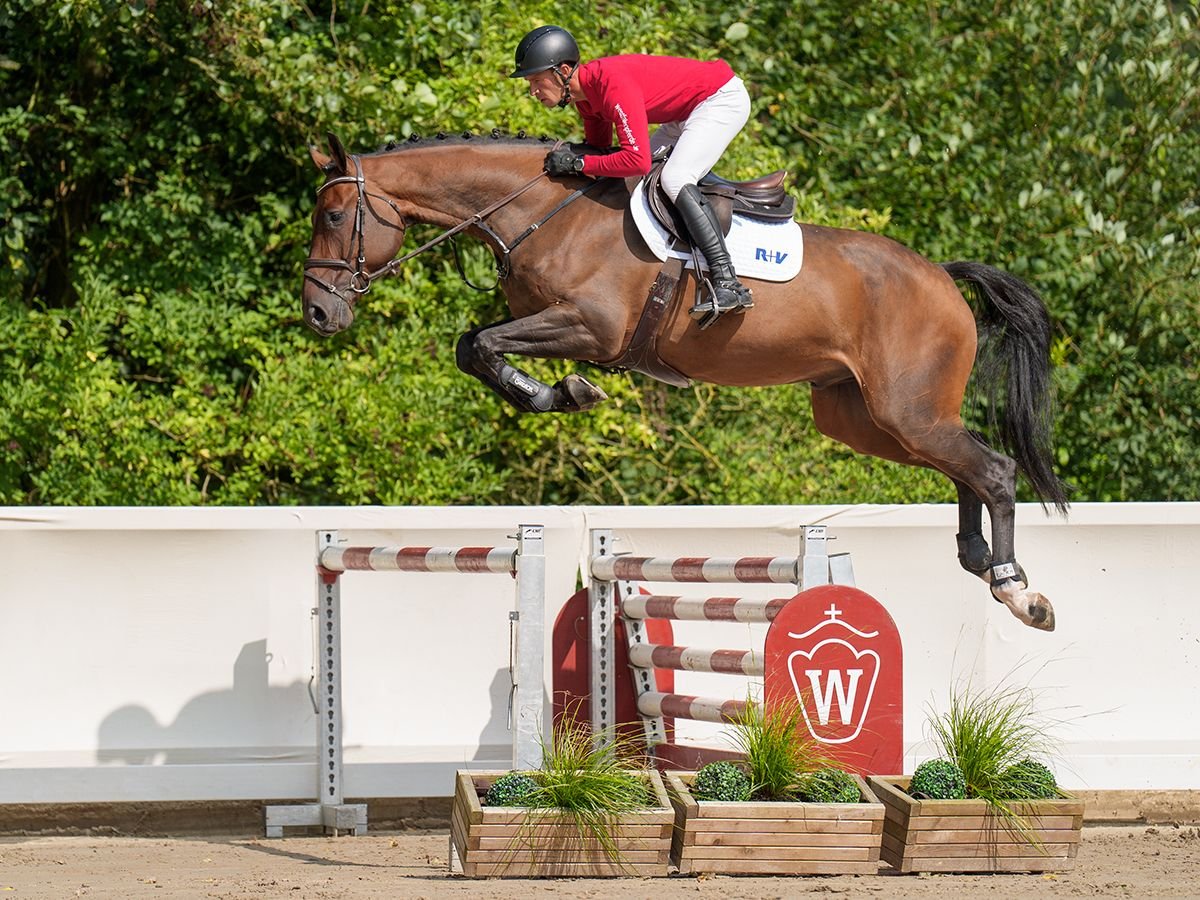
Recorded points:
158,654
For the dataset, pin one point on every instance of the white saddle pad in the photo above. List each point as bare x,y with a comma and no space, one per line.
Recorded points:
769,251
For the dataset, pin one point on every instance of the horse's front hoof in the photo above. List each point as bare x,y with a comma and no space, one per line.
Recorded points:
1029,606
580,393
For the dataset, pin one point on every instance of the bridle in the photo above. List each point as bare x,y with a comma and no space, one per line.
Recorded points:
361,280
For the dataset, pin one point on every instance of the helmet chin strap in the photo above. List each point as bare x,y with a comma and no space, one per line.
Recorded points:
565,82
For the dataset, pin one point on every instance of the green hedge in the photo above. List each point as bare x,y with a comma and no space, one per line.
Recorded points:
156,194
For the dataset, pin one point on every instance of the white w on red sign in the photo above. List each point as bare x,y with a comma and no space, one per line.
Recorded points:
835,651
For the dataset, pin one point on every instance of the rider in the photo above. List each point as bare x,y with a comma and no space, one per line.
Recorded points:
701,107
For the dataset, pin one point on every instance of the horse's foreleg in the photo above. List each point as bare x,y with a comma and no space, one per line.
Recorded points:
467,358
554,333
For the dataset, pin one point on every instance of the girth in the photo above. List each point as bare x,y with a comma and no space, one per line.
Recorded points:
641,355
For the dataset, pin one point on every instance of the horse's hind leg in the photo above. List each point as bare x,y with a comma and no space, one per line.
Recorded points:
553,333
944,443
974,554
841,413
919,435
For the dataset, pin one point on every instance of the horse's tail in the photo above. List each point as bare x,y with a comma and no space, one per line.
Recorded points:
1014,358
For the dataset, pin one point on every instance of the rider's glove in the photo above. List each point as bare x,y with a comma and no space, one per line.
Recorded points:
564,161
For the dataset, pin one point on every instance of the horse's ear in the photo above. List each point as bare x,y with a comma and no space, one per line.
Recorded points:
339,152
320,160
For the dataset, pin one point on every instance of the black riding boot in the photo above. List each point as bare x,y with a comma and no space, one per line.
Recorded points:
727,293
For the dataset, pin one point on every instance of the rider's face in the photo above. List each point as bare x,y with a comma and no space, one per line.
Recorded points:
546,88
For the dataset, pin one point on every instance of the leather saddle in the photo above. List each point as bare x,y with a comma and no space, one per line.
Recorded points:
760,198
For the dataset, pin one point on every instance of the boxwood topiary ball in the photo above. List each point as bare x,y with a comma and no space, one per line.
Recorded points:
938,779
1030,780
830,786
721,781
513,789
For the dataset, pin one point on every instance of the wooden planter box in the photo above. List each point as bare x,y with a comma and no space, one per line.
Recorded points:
520,842
766,838
968,836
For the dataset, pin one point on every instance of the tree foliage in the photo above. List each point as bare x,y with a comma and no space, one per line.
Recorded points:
155,200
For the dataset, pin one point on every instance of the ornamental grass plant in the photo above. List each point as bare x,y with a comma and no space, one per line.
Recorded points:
589,777
987,732
591,783
783,760
995,736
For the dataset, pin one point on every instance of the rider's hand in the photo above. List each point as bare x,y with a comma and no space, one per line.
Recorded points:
564,161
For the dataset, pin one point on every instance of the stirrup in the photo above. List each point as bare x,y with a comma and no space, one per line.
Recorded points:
736,296
708,307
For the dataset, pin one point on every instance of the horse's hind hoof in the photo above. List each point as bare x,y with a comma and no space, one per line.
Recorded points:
1042,615
1029,606
579,393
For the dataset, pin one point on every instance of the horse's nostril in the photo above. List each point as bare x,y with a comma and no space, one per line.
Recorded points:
317,315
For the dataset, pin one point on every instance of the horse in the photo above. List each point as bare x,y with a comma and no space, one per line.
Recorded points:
884,337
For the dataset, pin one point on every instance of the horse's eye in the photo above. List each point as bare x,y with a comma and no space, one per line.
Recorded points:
337,217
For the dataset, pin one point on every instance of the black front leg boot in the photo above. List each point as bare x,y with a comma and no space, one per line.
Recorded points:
722,292
538,395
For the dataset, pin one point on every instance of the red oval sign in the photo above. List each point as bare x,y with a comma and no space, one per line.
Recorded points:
836,651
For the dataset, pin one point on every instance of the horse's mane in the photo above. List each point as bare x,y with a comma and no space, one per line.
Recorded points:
495,136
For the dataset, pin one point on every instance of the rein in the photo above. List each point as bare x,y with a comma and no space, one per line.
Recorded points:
360,279
504,265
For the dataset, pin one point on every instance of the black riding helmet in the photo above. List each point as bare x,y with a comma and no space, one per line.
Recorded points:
544,48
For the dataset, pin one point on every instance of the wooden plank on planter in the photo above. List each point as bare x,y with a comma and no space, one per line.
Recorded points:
552,855
458,837
465,795
569,841
781,867
566,870
510,815
783,854
996,835
944,823
633,832
716,809
780,839
871,825
1003,864
977,851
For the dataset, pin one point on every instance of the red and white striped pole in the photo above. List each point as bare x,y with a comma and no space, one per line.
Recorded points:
744,569
701,609
696,659
682,706
419,559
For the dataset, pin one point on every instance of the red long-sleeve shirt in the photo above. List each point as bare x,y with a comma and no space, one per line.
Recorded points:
629,93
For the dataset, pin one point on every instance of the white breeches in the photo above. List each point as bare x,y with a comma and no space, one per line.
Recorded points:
702,137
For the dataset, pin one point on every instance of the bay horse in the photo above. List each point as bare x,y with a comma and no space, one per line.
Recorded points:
883,336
